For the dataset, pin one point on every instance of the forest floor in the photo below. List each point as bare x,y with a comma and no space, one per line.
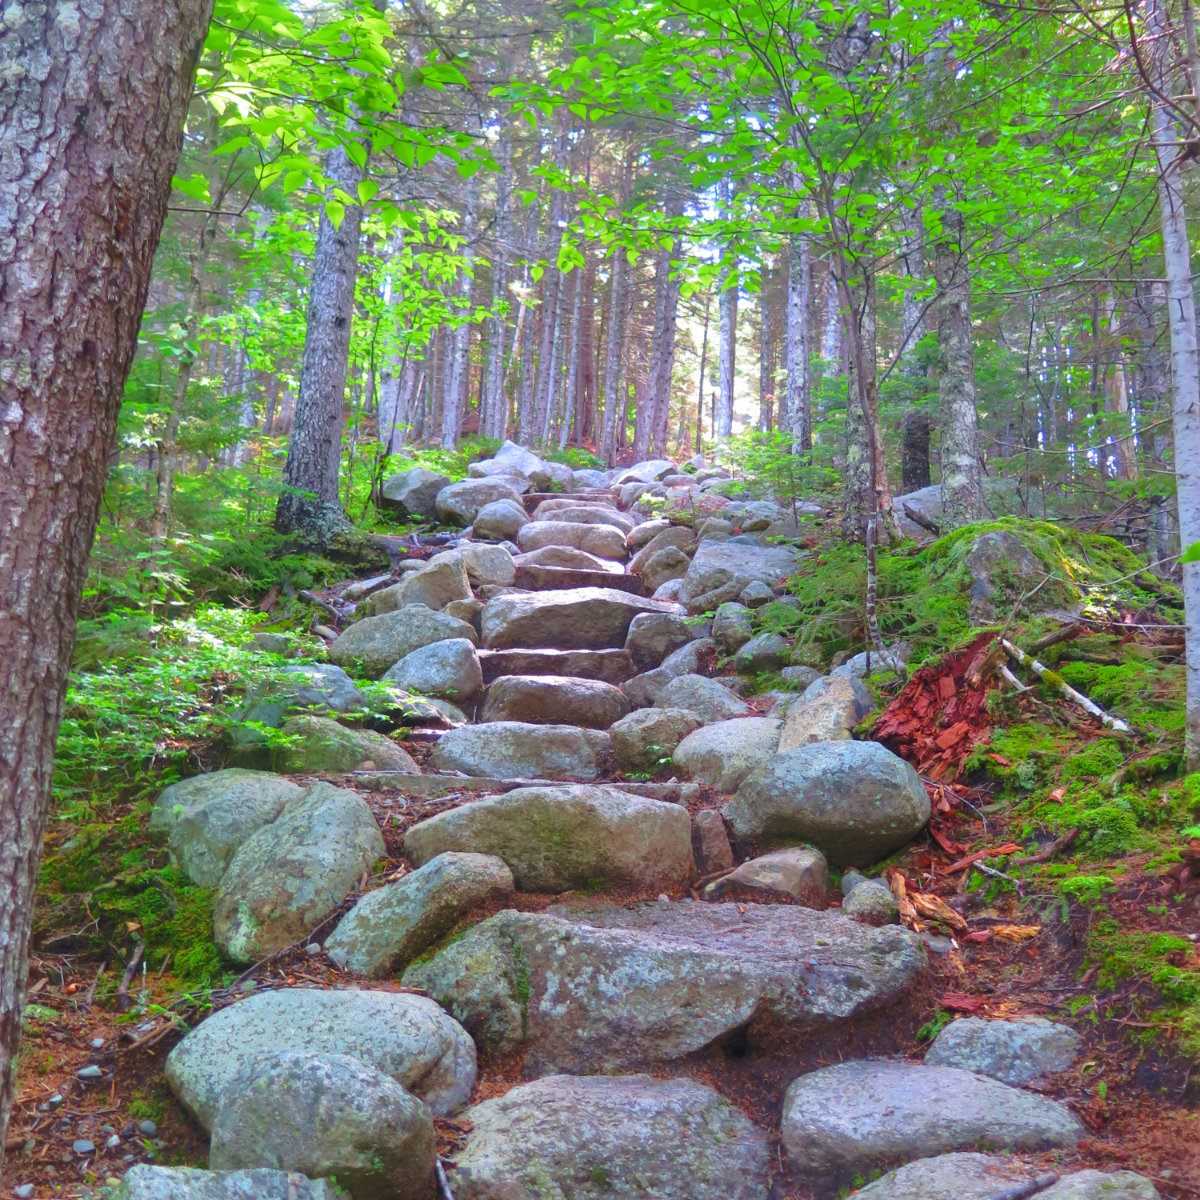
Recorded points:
1101,932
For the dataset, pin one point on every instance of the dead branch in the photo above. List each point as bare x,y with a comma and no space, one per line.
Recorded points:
324,605
123,1002
1043,856
919,518
1020,1191
1064,634
1060,685
443,1182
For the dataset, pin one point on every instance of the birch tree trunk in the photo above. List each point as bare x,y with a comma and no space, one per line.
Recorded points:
1117,395
92,104
551,294
456,389
831,338
572,374
798,410
612,361
1185,359
859,499
962,483
309,503
766,391
492,412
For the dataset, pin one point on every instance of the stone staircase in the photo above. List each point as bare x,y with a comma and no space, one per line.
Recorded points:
600,977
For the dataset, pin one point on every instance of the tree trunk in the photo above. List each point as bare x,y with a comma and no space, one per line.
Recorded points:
529,350
493,414
573,362
962,483
727,348
703,365
766,388
912,314
914,451
1116,386
551,301
456,389
798,418
831,339
1185,361
612,362
860,501
309,503
664,364
92,104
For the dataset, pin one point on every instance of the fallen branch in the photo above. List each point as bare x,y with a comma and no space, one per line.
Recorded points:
994,852
919,518
324,605
1012,681
124,1004
1042,856
443,1182
1020,1191
1065,634
1060,685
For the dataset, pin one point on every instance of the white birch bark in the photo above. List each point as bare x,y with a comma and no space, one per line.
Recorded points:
798,410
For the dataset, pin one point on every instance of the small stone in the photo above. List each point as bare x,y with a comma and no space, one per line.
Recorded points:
97,1043
1014,1052
83,1146
799,873
92,1072
147,1128
114,1141
24,1192
710,842
756,594
55,1100
312,949
870,900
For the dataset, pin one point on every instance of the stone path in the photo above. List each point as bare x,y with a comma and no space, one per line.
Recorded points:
561,641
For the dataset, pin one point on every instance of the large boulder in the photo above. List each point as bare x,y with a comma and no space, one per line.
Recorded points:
665,1139
645,472
999,564
499,521
574,619
441,581
645,739
449,670
652,636
609,666
513,459
412,494
855,801
611,988
290,875
406,1037
317,745
190,1183
799,873
206,818
576,513
329,1116
554,700
827,712
558,838
706,698
722,755
664,566
1015,1052
925,502
519,750
856,1116
967,1176
375,643
460,503
640,534
720,571
320,686
763,652
589,477
604,541
392,925
487,564
568,557
733,626
674,537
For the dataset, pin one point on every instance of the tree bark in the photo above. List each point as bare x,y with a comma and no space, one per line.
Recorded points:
914,451
664,363
618,286
308,504
1117,395
92,103
727,348
529,349
493,419
962,483
1185,361
456,389
799,381
860,501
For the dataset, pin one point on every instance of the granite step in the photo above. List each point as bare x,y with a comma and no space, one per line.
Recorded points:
533,578
608,666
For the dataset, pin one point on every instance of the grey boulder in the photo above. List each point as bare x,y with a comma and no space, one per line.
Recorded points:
1014,1052
610,988
706,698
968,1176
629,1135
321,686
763,652
317,744
329,1116
191,1183
487,564
290,875
554,700
413,494
604,541
460,503
407,1037
376,643
589,618
449,670
722,755
854,801
499,521
664,566
646,739
799,873
871,901
520,750
856,1116
732,626
654,635
558,838
394,924
206,818
720,571
827,712
440,582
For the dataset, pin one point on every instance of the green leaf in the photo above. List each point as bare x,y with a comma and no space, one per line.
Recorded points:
1191,554
367,190
195,187
336,212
